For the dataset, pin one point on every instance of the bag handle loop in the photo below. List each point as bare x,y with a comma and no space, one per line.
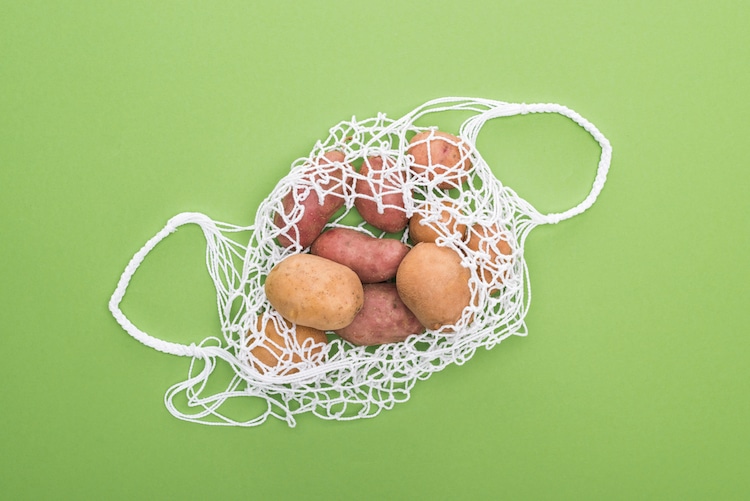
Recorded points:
488,109
209,228
470,129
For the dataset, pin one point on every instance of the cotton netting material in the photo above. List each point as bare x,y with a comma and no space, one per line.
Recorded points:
338,380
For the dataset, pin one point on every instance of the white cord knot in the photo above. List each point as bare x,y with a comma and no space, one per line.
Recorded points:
193,350
553,218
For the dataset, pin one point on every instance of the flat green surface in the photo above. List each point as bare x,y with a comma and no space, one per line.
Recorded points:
634,380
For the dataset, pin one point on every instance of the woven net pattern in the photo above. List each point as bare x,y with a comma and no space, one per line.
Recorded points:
339,380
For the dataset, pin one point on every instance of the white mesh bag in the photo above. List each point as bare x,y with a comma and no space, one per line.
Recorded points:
338,380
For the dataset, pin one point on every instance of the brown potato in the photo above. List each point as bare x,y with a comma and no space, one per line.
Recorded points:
273,349
314,291
433,284
389,188
430,231
440,155
315,214
492,241
372,259
384,318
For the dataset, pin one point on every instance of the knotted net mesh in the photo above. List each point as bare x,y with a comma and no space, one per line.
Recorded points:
336,379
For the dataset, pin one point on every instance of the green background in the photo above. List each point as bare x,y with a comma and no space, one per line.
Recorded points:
634,380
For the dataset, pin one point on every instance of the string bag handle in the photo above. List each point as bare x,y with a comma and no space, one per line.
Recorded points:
212,232
487,109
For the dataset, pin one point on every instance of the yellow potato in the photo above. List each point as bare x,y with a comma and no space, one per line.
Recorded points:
314,291
430,231
491,241
433,285
274,349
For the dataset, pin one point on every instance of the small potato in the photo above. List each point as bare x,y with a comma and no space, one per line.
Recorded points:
372,259
384,318
442,156
274,350
315,213
314,291
429,231
433,284
492,242
388,187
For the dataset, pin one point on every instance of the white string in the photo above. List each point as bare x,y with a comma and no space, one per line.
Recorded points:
127,275
354,381
471,129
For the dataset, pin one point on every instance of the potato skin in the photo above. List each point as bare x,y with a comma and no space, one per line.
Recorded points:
315,215
270,351
433,284
480,239
429,232
372,259
384,318
314,291
438,153
393,219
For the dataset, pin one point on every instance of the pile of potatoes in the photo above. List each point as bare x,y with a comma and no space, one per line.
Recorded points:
368,290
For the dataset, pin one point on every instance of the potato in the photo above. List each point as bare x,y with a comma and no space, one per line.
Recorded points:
315,214
372,259
384,318
433,284
442,156
446,223
274,349
491,241
387,186
314,291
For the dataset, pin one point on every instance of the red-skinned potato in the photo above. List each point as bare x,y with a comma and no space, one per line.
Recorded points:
372,259
440,155
384,318
388,187
315,215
